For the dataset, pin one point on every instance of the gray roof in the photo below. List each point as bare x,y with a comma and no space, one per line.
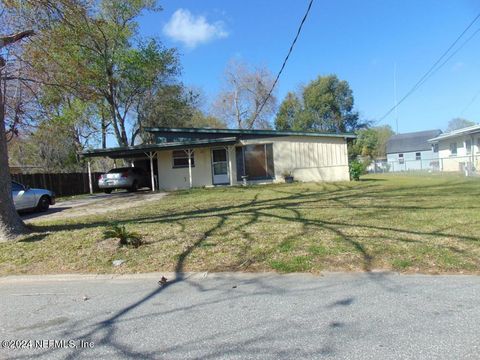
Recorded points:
415,141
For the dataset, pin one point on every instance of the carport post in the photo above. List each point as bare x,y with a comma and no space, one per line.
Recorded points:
90,185
230,167
189,153
150,156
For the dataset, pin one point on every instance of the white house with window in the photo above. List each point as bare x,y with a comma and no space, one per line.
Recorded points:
459,150
184,157
412,151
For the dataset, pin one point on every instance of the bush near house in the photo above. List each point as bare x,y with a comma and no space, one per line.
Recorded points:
357,168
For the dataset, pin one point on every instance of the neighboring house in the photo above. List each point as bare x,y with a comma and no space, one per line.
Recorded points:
188,157
412,151
459,150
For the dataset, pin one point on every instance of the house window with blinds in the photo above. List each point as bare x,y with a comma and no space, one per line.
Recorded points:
180,159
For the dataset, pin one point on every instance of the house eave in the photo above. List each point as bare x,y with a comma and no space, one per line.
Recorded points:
240,132
132,151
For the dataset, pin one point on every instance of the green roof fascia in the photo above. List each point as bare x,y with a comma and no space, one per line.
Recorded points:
248,132
126,151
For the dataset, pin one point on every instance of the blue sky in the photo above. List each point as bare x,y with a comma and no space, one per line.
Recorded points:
360,41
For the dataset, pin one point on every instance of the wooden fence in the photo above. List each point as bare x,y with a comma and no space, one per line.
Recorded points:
62,184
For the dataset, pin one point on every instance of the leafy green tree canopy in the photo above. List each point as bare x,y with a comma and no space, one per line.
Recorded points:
372,142
326,105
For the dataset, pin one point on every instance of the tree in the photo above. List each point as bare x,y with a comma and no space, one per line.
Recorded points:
10,223
372,142
92,51
53,147
199,120
289,113
173,106
458,123
326,105
246,90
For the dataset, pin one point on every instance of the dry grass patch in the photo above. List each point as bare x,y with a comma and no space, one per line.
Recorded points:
404,223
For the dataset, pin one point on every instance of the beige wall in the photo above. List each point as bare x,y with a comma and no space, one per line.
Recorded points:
309,159
173,179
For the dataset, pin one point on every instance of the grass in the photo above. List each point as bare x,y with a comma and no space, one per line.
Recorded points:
425,224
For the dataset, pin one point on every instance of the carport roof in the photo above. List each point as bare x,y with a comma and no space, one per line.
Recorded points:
133,151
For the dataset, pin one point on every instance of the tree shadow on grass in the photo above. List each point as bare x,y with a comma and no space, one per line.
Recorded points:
255,210
34,237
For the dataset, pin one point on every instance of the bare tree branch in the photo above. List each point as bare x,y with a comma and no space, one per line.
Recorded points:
10,39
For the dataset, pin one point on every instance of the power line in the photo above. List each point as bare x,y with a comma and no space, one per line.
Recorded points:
451,55
433,68
284,61
470,103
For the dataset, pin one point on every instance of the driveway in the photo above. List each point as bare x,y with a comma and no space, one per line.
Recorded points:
246,316
94,204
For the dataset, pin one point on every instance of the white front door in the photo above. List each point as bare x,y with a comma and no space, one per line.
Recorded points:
220,166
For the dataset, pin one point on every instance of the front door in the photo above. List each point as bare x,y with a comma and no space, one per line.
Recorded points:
220,166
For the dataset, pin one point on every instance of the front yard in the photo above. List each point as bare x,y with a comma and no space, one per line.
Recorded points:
428,224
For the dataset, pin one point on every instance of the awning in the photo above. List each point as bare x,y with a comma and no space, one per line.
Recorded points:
135,151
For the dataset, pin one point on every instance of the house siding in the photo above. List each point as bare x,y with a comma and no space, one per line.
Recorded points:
429,161
170,178
450,162
310,159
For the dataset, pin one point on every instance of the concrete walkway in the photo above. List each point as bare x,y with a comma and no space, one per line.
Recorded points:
238,316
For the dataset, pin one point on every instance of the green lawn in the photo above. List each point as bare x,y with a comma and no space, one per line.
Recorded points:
428,224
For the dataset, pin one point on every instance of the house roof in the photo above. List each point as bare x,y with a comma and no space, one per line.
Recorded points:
247,132
415,141
464,131
134,151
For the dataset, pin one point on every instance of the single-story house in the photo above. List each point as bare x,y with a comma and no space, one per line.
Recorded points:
192,157
412,151
459,150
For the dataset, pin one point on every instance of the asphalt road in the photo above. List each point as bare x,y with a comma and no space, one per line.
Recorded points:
235,316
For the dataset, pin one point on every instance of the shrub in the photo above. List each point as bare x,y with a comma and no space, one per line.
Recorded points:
357,168
125,237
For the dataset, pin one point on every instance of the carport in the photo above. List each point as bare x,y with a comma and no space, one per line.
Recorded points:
150,152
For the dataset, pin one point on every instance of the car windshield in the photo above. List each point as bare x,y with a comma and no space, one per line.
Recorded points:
118,170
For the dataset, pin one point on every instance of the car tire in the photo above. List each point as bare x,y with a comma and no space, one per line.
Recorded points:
108,191
43,203
134,187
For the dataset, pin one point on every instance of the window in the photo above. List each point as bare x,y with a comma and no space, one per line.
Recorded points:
401,160
180,159
478,145
468,146
418,156
435,148
453,148
255,161
120,170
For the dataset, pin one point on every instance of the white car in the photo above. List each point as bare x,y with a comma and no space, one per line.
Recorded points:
25,198
130,178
